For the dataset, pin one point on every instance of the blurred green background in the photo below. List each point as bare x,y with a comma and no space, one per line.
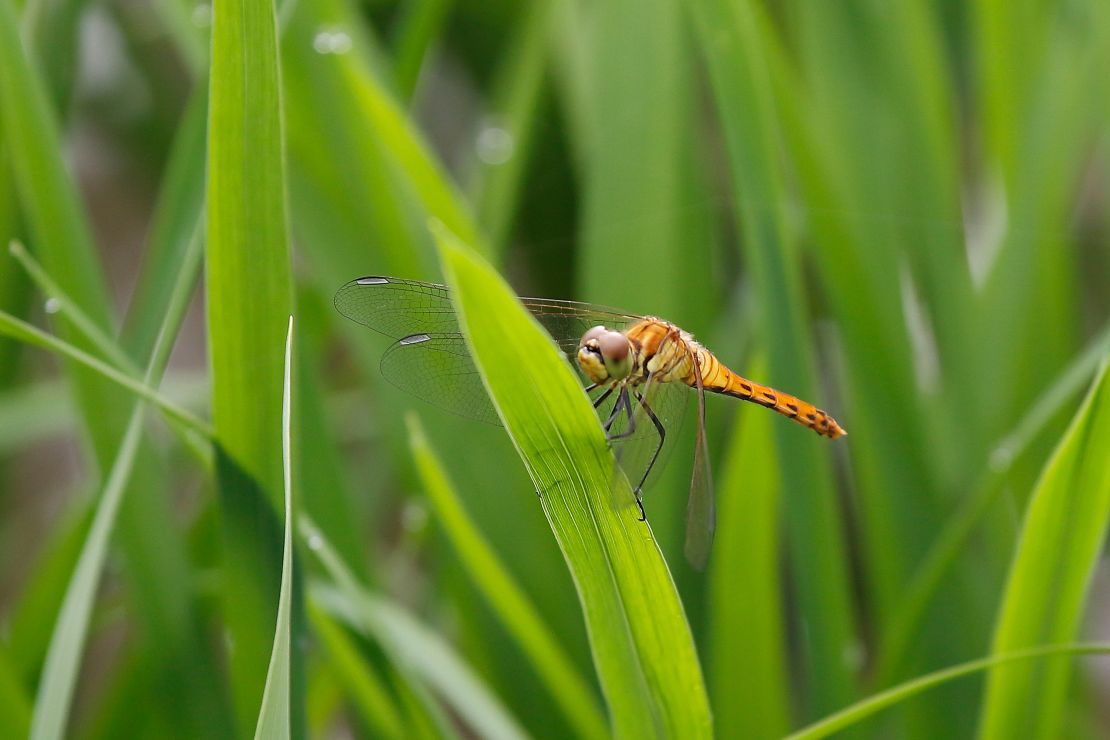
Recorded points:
898,211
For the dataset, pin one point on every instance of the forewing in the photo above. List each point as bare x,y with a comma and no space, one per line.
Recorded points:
437,368
430,359
399,308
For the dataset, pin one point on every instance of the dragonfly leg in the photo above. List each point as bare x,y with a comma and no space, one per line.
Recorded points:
601,399
626,405
662,438
618,406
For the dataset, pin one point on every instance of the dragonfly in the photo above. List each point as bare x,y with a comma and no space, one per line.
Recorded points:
638,370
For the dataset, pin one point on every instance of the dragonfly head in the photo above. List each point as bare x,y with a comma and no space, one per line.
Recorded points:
604,355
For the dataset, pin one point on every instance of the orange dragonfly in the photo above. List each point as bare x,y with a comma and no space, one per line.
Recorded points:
637,367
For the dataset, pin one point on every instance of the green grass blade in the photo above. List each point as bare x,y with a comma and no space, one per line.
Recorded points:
63,659
748,661
24,332
177,218
507,599
411,645
273,716
516,105
67,644
1058,549
950,542
81,322
863,709
417,31
15,707
369,694
249,300
60,234
641,642
747,107
640,210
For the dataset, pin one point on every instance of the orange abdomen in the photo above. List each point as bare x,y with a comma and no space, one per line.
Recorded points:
719,379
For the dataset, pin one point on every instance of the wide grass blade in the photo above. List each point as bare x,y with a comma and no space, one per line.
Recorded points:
1060,545
507,599
273,716
249,300
641,642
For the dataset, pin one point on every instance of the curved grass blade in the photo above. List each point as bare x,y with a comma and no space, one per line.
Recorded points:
24,332
273,716
1059,547
863,709
368,693
641,642
506,598
950,542
81,322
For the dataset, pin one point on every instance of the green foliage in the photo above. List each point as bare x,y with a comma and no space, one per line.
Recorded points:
895,211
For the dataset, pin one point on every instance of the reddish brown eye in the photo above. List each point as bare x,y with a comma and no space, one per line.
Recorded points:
613,346
593,333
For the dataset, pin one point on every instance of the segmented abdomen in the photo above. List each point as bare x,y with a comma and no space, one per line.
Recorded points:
719,379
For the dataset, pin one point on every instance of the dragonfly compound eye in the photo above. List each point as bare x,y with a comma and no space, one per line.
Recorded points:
593,333
616,352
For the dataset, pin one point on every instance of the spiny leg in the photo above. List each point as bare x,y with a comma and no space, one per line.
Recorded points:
655,456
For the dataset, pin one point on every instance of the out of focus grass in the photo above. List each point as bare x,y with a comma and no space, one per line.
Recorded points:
898,211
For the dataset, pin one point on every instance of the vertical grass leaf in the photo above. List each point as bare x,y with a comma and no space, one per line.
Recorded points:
249,297
748,660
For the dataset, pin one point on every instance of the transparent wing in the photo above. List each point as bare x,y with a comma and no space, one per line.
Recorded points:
437,368
430,359
701,510
399,308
